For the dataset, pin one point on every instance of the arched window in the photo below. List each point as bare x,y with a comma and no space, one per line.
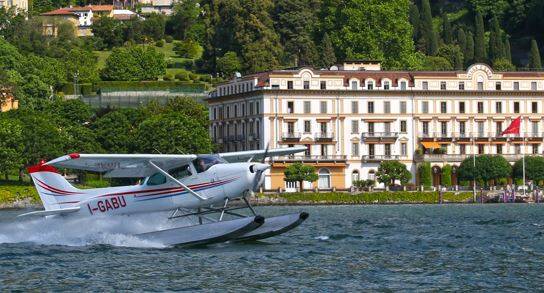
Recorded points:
355,176
324,179
372,174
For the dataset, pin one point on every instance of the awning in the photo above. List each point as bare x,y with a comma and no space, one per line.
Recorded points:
430,144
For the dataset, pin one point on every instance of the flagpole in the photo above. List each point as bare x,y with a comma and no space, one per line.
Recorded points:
474,169
523,156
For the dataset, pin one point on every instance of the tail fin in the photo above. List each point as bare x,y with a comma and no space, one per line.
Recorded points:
55,192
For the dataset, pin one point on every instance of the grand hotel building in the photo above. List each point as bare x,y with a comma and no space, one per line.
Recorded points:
353,116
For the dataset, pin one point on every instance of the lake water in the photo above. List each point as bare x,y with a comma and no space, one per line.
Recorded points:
346,248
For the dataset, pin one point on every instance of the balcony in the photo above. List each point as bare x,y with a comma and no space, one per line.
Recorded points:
387,136
477,135
455,158
309,159
379,158
290,136
324,136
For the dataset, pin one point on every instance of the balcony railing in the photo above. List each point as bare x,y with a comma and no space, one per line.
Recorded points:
389,134
309,158
467,135
379,158
291,136
324,136
457,157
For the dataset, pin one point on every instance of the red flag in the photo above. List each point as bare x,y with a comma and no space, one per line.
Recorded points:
513,128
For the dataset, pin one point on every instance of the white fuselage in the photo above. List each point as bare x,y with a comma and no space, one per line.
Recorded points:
217,183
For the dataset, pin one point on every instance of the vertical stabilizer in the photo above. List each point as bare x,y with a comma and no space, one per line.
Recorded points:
54,190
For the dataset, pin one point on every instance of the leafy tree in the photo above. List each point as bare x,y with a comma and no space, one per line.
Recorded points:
488,167
185,21
453,54
153,26
363,29
182,105
71,111
116,130
299,172
534,168
172,133
480,54
391,171
83,63
446,175
503,65
11,144
428,34
108,30
447,33
134,63
229,63
535,62
436,63
328,57
425,174
295,23
188,49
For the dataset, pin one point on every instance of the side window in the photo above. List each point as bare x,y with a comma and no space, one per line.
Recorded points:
156,179
180,172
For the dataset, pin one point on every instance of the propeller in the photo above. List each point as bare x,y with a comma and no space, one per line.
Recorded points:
260,168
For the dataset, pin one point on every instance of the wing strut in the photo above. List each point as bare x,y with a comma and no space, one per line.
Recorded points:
192,192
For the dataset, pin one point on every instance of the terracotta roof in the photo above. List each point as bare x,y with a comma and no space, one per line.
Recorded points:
61,11
71,10
93,8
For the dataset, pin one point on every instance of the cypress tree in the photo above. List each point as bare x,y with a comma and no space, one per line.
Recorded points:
462,40
415,21
458,60
480,54
447,33
428,34
328,57
469,50
534,56
507,51
496,46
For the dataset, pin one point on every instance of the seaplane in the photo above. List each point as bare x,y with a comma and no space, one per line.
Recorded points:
210,188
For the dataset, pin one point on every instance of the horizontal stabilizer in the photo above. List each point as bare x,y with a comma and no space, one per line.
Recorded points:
50,212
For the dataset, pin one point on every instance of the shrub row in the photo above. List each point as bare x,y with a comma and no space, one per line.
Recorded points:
12,192
375,197
111,86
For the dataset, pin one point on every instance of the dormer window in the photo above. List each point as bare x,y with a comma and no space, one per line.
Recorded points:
516,86
306,84
480,85
386,85
289,84
498,86
354,85
533,86
443,85
461,86
403,85
370,85
425,85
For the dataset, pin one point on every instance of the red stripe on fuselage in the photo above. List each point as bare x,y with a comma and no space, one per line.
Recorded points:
53,189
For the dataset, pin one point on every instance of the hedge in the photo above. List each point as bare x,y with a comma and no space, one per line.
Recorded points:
13,191
113,86
375,197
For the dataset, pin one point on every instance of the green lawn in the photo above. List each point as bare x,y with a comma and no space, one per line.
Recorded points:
11,191
102,56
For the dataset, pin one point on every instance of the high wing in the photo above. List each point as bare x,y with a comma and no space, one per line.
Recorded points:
121,165
256,155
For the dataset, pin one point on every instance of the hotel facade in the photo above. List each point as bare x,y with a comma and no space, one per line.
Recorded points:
354,116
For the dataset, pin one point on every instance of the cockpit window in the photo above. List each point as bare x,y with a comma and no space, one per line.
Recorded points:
204,162
156,179
180,172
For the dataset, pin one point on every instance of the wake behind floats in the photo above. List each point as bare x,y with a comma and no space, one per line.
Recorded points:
201,186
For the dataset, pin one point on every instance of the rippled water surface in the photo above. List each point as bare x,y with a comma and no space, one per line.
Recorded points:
407,247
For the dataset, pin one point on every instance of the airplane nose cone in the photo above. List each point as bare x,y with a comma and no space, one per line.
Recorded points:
261,167
258,177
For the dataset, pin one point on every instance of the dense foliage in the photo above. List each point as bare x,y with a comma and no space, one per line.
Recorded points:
489,167
61,127
299,172
374,197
